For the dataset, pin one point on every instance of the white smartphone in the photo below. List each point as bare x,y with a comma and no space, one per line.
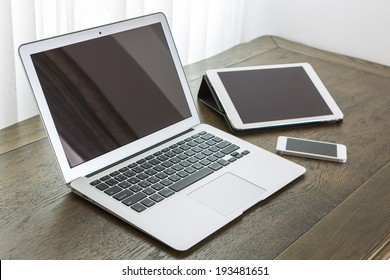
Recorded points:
311,149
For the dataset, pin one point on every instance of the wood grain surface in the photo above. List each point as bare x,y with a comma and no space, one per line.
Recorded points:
335,211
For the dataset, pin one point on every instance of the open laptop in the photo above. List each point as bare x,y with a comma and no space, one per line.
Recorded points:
126,134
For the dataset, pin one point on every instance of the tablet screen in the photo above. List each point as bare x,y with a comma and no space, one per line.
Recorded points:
261,95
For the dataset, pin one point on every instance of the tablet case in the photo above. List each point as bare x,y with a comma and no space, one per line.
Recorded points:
207,95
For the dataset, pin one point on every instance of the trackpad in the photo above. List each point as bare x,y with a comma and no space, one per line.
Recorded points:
226,194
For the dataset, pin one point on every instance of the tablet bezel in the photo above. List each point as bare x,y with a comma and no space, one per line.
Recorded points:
234,117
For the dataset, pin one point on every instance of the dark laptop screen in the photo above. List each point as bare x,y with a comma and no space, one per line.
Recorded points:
107,92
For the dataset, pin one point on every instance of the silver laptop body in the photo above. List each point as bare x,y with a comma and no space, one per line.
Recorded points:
126,134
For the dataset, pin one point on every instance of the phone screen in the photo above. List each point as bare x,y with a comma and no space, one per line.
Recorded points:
310,147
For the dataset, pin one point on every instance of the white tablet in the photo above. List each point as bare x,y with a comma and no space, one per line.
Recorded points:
274,95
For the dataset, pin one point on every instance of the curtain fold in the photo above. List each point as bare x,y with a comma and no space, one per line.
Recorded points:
201,28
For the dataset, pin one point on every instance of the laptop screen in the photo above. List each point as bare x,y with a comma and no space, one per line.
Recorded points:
110,91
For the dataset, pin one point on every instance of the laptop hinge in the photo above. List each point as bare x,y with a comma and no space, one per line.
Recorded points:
136,154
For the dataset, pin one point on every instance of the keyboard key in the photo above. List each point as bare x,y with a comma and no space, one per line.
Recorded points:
167,192
223,144
134,198
189,153
111,182
148,202
124,184
223,162
214,149
190,169
174,160
162,158
166,182
212,158
185,147
115,173
207,136
124,169
185,182
134,180
169,171
200,156
138,169
102,186
151,172
144,184
104,178
245,152
232,159
182,174
135,188
120,178
170,154
177,167
182,156
219,155
199,140
138,207
155,161
156,197
142,176
197,150
230,149
159,168
167,164
178,150
174,178
113,190
157,186
197,165
149,191
129,173
204,146
185,163
146,165
193,160
205,162
96,182
215,166
153,180
161,175
123,194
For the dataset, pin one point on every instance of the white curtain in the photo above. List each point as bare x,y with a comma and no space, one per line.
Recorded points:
201,28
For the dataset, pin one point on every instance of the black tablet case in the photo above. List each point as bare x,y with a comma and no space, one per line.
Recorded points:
207,95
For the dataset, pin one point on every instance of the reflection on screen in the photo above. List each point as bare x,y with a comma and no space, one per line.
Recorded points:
273,94
325,149
110,91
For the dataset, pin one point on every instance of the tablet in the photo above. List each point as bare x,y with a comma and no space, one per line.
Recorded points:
274,95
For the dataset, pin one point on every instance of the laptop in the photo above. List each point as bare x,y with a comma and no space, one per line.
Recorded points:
125,131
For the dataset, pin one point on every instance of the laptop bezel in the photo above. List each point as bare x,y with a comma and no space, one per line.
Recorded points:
72,173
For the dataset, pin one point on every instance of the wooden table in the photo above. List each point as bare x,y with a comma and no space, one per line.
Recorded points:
335,211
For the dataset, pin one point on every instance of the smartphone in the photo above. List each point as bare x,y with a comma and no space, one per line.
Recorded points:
311,149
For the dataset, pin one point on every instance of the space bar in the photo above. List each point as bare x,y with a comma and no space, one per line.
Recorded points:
191,179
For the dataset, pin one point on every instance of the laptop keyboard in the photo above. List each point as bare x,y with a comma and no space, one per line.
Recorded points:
143,184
